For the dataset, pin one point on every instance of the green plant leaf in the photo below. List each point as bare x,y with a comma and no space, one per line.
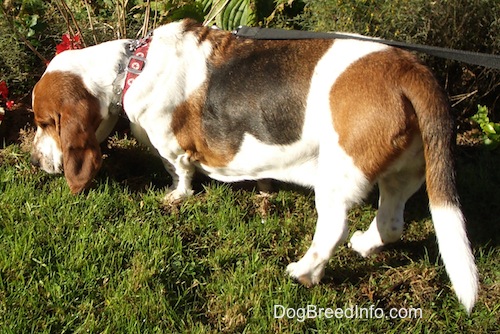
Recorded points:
488,128
33,21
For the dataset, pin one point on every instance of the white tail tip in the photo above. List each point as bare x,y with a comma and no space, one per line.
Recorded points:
456,253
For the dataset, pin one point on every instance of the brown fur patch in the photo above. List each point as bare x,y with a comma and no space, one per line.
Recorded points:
374,119
66,111
186,124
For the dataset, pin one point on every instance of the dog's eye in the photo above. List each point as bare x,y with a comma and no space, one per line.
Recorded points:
44,123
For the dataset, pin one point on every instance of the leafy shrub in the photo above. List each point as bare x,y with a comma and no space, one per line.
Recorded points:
490,130
20,21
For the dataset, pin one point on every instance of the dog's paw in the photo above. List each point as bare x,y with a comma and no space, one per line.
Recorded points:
177,195
303,275
361,243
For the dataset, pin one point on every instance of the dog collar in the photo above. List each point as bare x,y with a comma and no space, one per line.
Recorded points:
138,50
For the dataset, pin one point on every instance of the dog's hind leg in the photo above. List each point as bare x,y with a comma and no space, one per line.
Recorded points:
335,191
395,187
331,230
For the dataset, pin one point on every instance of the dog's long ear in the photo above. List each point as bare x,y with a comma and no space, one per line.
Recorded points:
81,152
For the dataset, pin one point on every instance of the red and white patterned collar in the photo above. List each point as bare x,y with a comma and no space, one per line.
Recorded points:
136,62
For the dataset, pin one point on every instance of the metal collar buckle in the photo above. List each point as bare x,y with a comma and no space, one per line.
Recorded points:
136,64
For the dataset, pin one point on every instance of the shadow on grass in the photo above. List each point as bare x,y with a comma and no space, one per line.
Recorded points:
478,173
15,121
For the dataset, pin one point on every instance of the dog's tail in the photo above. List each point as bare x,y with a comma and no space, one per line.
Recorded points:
438,134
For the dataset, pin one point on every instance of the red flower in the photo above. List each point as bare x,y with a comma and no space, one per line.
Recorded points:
68,43
9,104
4,91
4,95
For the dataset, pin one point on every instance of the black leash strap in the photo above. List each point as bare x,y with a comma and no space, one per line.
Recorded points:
474,58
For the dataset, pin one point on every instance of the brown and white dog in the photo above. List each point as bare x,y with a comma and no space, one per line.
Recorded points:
334,115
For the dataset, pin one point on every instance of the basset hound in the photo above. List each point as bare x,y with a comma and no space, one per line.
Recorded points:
337,116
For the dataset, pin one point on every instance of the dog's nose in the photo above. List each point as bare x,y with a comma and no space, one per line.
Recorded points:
35,161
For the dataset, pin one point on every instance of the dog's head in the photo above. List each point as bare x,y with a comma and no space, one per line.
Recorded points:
67,116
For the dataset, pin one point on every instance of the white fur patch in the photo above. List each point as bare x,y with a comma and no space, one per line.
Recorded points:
257,160
47,152
456,253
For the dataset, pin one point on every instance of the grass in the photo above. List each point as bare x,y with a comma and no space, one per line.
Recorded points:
117,260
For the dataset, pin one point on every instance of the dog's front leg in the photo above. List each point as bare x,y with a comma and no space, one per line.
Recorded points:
174,160
181,171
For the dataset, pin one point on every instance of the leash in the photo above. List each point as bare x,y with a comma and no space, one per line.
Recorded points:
469,57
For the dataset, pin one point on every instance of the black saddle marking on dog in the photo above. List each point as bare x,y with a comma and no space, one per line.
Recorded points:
262,90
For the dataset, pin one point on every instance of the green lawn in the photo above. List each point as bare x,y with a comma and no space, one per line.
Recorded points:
117,260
